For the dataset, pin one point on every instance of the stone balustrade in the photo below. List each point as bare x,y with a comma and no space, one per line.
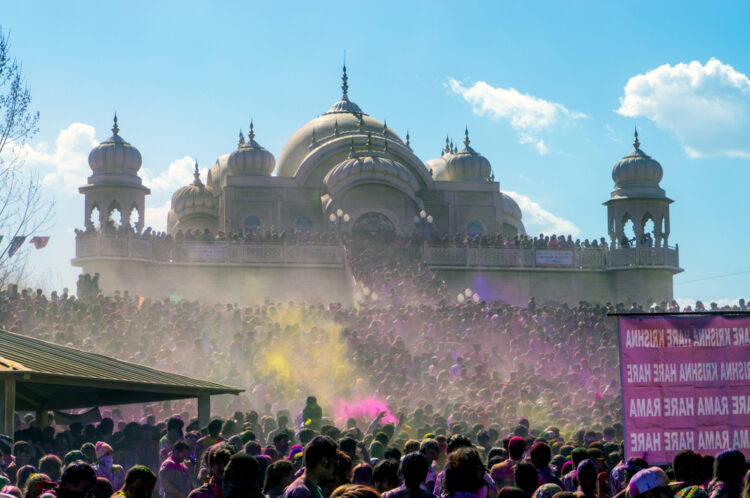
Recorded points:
146,248
577,258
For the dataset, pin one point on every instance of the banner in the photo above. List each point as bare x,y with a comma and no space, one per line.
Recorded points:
87,417
208,252
39,242
16,244
554,258
685,384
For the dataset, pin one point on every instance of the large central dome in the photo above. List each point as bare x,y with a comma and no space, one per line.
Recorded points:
343,118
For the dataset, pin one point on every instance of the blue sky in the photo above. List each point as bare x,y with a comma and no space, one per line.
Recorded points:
543,87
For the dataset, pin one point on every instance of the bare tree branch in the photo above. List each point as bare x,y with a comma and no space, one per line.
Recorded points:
23,209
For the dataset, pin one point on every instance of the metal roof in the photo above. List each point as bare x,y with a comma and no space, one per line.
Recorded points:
56,376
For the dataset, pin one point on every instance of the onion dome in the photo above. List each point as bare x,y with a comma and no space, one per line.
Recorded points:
637,174
195,198
250,158
369,165
115,155
511,208
437,166
467,164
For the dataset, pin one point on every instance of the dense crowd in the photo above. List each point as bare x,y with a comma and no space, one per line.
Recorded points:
415,394
518,241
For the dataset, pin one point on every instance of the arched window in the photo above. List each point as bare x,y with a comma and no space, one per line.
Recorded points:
474,228
252,224
94,217
135,216
303,224
627,239
115,216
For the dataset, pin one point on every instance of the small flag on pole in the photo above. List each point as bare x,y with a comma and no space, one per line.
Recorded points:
16,244
39,242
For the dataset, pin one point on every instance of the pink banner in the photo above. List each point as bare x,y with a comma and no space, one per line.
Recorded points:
685,384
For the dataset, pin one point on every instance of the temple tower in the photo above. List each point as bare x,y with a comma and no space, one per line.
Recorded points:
637,198
114,190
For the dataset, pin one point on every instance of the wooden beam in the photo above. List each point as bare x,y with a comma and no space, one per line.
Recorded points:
204,410
8,405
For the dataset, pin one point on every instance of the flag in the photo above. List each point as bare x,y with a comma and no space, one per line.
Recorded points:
39,242
16,244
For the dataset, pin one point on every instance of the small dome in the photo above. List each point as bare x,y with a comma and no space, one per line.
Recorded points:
437,165
115,155
637,168
250,158
369,164
511,208
194,198
467,165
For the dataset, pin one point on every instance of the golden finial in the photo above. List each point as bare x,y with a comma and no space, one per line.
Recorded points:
115,128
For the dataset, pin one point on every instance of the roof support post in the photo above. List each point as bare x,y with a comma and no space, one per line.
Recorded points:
204,410
8,405
42,419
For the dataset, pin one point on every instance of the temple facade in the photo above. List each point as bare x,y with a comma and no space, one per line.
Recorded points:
345,171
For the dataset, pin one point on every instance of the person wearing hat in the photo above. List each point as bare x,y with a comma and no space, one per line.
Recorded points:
105,466
652,483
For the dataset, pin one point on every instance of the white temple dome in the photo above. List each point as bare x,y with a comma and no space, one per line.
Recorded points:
250,158
637,168
343,118
195,198
115,155
467,165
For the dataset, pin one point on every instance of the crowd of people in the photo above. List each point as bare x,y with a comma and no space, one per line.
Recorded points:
238,457
415,395
518,241
271,236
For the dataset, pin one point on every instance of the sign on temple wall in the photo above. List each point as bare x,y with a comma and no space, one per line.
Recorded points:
554,258
685,384
207,252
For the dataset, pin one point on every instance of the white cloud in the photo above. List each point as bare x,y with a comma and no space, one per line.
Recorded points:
64,167
707,107
156,216
538,220
528,115
178,174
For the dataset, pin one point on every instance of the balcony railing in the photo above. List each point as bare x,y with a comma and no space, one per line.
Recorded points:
490,257
208,252
148,248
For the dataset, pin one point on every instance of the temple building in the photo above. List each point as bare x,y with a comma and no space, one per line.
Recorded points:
347,171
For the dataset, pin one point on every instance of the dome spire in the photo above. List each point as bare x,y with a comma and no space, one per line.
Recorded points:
636,143
197,175
242,140
447,148
251,133
344,83
115,128
466,137
408,142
